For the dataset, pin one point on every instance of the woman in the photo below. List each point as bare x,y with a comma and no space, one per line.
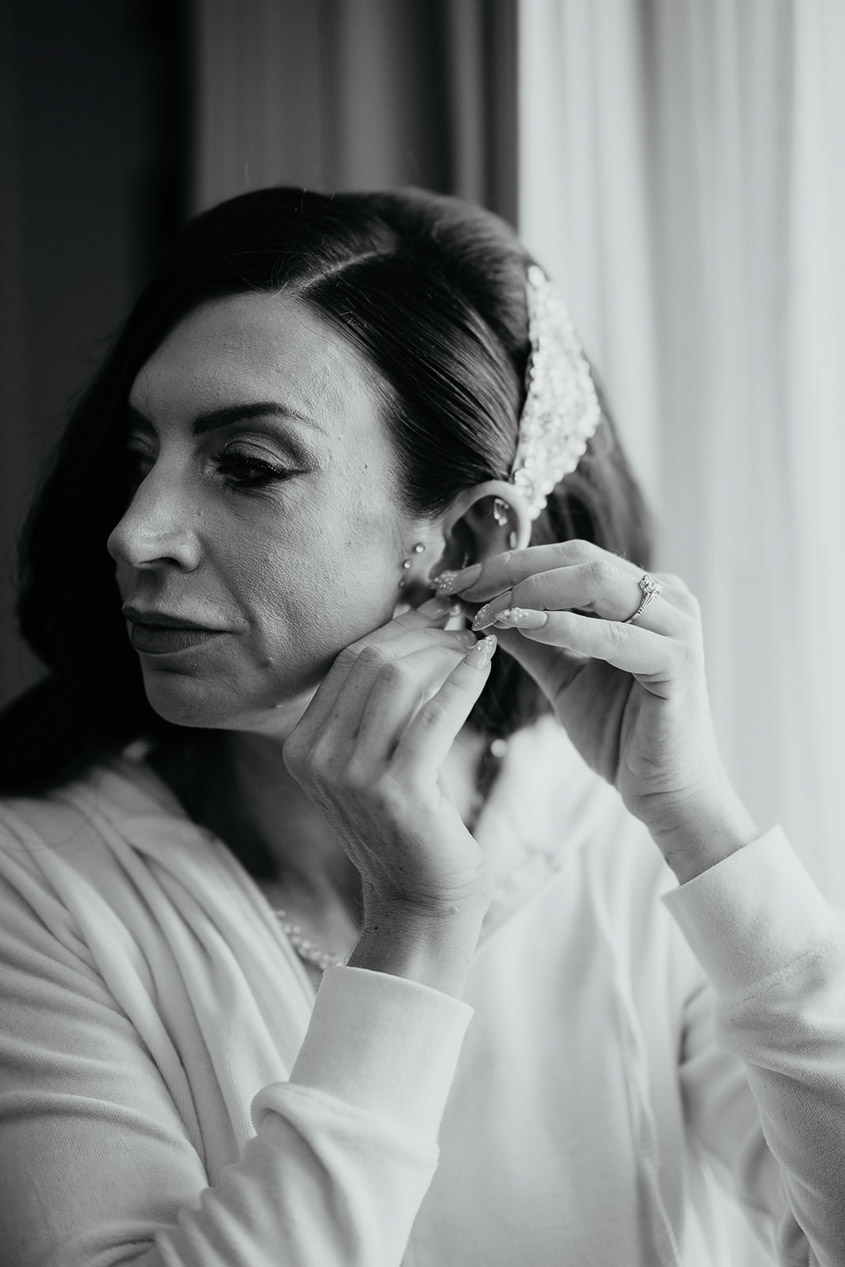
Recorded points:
332,432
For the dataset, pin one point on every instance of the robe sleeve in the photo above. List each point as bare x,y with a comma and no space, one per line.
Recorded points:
97,1167
773,954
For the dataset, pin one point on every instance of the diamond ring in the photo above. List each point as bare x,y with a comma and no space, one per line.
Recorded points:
650,588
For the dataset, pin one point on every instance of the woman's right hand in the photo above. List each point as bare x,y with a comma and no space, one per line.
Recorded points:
368,753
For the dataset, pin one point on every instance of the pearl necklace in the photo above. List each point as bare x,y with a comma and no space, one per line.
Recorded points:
308,950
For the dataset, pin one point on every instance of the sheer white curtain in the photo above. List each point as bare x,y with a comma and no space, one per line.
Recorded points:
682,173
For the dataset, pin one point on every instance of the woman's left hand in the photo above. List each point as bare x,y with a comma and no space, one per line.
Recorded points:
631,696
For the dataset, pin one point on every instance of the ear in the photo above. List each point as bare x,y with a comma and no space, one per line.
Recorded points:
483,521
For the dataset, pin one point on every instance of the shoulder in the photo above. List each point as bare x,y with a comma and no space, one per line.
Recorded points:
63,837
555,801
623,879
563,807
550,814
561,834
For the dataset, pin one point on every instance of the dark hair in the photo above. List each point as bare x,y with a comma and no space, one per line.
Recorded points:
432,290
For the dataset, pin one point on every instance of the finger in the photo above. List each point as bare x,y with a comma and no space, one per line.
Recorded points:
551,667
649,656
343,692
503,571
428,617
600,587
396,696
429,614
428,739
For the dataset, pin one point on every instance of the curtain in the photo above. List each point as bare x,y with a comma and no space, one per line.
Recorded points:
17,471
356,94
682,173
90,162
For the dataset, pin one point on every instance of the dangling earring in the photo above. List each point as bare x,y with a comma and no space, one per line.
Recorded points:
500,511
501,515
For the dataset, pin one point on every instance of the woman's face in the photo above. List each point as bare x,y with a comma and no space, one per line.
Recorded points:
264,512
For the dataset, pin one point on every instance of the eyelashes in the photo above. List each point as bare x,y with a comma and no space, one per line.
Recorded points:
240,468
245,469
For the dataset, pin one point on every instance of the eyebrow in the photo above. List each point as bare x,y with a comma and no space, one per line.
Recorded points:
217,418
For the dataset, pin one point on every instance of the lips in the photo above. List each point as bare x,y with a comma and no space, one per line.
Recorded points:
165,633
163,641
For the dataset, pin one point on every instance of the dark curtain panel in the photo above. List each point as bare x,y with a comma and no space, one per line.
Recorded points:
92,179
356,94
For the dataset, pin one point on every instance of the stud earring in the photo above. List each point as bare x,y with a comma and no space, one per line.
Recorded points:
512,540
406,563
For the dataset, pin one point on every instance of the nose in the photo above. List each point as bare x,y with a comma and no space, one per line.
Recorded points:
156,529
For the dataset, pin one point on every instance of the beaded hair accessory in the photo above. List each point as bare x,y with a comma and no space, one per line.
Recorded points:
561,409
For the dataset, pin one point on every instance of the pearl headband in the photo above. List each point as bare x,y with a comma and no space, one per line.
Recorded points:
561,409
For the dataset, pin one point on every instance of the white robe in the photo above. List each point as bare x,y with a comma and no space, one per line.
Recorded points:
170,1093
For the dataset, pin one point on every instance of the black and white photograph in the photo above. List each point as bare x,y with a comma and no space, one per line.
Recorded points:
422,633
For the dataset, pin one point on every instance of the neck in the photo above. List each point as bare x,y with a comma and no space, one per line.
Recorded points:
240,788
260,808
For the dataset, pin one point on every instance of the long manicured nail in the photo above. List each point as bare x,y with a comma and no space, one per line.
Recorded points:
452,582
489,613
435,607
444,582
482,653
522,618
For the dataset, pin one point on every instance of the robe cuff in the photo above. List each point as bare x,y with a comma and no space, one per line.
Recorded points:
754,914
383,1044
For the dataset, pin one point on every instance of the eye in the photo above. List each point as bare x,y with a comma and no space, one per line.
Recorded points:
138,461
244,467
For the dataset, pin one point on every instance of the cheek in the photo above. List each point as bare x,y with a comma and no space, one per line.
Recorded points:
312,595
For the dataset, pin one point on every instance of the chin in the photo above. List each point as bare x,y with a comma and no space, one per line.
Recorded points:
184,699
